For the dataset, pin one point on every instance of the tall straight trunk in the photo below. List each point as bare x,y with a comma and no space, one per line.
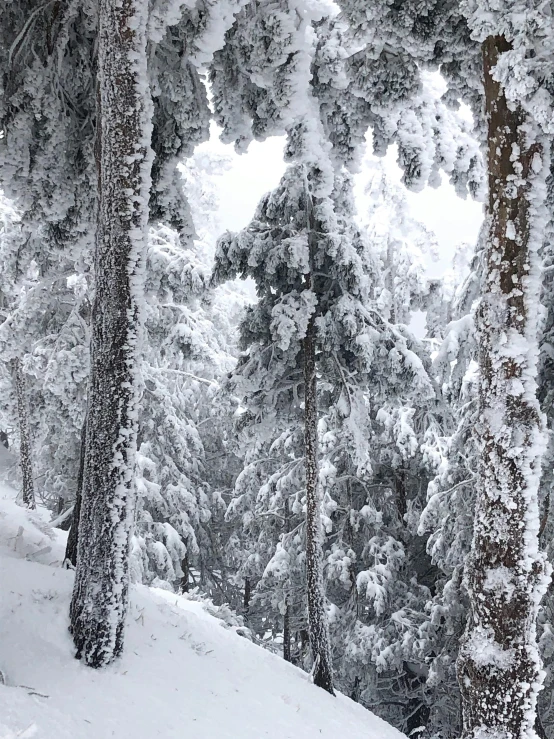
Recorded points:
25,459
287,656
99,603
73,536
247,595
317,618
499,666
185,566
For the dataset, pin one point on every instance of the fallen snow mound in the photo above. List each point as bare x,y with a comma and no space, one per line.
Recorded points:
183,674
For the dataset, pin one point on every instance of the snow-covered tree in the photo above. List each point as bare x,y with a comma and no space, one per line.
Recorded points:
186,352
450,455
99,604
499,666
125,193
47,170
507,44
273,46
246,106
280,253
403,244
378,406
546,697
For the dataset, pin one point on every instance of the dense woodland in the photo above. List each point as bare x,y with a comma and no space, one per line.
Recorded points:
373,505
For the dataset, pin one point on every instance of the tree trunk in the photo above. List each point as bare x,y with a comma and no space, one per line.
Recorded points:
25,460
185,566
499,666
317,618
100,595
287,656
247,595
73,536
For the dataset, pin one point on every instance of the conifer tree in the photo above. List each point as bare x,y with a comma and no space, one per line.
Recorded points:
47,171
99,603
246,109
498,666
344,113
25,449
187,351
285,304
545,709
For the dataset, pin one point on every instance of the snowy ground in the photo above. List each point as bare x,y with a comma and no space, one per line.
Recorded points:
184,673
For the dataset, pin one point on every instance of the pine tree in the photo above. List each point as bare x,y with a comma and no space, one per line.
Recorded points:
284,297
545,715
513,39
345,114
25,450
498,666
47,170
379,576
283,103
377,403
99,603
451,458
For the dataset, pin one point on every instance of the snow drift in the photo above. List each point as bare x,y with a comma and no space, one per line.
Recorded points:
184,672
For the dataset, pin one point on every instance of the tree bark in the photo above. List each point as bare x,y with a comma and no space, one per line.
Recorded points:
185,566
499,666
73,536
317,618
25,459
99,603
287,656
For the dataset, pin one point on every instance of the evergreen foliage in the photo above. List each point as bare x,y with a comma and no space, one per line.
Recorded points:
364,491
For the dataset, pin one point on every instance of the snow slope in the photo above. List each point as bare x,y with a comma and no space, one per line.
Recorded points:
184,673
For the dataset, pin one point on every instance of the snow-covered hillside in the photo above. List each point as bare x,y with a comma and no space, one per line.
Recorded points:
184,673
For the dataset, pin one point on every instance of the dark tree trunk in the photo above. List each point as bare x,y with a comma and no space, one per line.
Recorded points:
401,499
355,692
100,595
498,666
65,524
25,459
287,656
303,642
73,536
185,579
247,595
317,618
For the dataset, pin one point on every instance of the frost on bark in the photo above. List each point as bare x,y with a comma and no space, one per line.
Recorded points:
99,601
498,666
317,618
27,484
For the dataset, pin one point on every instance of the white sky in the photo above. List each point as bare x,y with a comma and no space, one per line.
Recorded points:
250,175
452,219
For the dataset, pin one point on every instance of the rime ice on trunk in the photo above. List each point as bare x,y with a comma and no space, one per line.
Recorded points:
99,601
317,618
498,667
27,485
